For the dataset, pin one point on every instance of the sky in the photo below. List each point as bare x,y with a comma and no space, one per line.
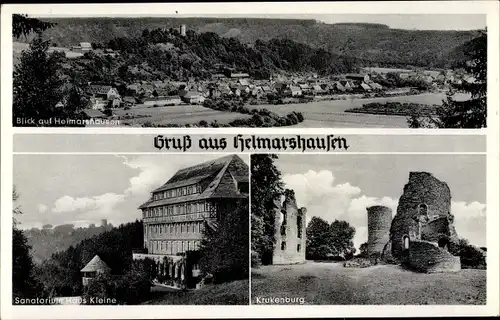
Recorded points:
83,189
342,186
395,21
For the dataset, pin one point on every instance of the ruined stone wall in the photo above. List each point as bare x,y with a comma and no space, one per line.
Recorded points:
290,232
379,225
424,198
440,228
429,258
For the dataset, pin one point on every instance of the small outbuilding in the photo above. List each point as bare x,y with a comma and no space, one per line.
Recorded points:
93,268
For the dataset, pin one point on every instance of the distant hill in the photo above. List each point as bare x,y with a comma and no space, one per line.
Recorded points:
47,241
375,43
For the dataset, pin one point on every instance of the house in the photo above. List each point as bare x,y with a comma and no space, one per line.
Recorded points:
357,77
280,86
97,103
159,84
128,101
104,92
243,82
133,88
239,75
317,89
94,114
193,97
339,87
93,268
178,213
85,46
363,86
375,86
163,101
293,91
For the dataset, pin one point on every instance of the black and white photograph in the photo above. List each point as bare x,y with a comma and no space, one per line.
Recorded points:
368,229
275,70
130,229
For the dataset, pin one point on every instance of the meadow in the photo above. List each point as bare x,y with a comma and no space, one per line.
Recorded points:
326,283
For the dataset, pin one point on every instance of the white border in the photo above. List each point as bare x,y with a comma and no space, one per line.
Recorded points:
490,8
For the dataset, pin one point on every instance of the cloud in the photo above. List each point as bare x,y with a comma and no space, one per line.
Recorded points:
470,221
102,205
318,192
42,208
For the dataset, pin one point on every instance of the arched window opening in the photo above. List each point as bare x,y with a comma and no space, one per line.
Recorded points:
422,209
406,242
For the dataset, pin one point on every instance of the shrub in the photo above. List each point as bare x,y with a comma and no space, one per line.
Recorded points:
256,261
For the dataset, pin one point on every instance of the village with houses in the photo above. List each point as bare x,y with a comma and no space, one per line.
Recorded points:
130,103
230,84
175,77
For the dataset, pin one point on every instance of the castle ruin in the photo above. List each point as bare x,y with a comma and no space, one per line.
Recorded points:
290,231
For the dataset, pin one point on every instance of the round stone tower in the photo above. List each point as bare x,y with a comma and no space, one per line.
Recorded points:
379,225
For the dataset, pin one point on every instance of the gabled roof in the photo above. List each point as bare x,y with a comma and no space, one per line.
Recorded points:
96,264
210,172
100,89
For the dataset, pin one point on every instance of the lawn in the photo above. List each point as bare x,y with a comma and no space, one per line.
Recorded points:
182,115
331,283
231,293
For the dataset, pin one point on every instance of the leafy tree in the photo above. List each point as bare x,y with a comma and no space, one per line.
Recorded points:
224,251
363,250
23,281
324,240
470,113
267,187
37,85
318,241
342,234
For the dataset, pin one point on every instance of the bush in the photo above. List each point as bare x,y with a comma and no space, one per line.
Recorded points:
132,287
358,263
256,261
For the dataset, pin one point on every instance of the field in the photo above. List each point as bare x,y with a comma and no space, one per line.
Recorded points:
185,114
331,283
18,47
331,114
232,293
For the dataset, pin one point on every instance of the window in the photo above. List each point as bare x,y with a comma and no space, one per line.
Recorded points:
165,194
298,247
207,206
422,209
283,245
299,227
171,228
406,242
198,188
176,229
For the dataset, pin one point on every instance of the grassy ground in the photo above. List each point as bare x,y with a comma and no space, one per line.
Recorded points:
184,114
331,283
232,293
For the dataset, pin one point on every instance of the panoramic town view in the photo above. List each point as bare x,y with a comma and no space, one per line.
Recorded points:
246,72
